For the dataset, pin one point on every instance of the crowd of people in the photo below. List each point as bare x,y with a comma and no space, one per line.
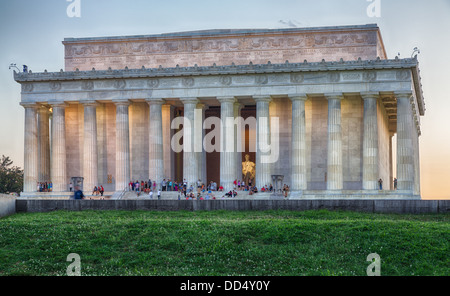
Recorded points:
44,186
197,190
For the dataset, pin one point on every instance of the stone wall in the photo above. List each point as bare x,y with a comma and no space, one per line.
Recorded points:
282,108
224,47
74,141
106,132
316,112
7,205
352,140
139,141
369,206
384,167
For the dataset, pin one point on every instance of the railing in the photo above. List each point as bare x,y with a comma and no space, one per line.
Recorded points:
122,193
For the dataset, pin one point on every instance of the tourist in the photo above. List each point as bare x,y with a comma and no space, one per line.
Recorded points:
142,186
159,194
154,185
70,186
170,185
102,190
78,193
94,192
163,185
380,184
395,183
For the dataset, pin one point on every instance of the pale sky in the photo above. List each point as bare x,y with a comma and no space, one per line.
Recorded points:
31,32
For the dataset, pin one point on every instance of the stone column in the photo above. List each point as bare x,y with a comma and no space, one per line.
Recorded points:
263,174
238,141
169,156
122,144
58,159
370,142
44,144
202,173
391,165
156,153
227,140
30,169
298,175
90,156
334,160
405,151
190,161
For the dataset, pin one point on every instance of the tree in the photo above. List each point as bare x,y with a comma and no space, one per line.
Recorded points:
11,177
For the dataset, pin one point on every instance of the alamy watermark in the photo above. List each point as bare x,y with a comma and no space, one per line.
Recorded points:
74,269
374,8
226,135
374,269
74,8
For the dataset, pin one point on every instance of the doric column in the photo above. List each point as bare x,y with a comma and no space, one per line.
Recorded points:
90,156
58,169
238,141
263,168
202,173
169,156
370,142
44,144
227,140
405,151
298,164
156,153
334,160
122,144
190,161
30,148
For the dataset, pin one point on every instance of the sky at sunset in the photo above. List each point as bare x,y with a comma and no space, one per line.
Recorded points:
31,33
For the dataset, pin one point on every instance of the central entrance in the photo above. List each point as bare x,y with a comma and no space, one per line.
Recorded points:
248,137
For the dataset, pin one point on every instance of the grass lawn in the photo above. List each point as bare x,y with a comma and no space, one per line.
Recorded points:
224,243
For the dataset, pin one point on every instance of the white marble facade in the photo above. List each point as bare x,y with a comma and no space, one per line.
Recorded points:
336,118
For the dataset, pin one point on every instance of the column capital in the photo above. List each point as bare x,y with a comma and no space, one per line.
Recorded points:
403,94
29,105
262,98
227,99
189,100
89,103
369,95
299,96
334,96
121,102
155,101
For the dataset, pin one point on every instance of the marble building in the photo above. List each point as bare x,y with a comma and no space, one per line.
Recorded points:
338,100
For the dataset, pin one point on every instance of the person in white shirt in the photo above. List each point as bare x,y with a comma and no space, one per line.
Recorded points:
151,194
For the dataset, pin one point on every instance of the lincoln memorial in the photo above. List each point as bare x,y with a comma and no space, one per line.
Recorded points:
341,116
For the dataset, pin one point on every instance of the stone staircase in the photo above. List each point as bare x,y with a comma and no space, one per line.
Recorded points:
173,195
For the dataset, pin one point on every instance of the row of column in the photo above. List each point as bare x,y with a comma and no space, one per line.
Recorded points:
38,163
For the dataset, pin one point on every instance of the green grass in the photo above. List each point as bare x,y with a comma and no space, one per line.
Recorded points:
223,243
